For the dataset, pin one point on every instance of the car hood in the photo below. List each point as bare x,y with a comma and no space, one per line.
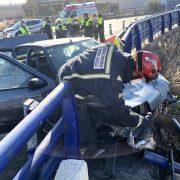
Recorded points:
154,93
9,29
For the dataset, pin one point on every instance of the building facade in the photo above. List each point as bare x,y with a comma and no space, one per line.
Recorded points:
11,12
38,8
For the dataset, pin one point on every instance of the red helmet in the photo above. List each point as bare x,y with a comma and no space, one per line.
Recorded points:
148,64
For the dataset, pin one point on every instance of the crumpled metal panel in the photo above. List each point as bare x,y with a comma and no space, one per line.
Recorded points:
154,92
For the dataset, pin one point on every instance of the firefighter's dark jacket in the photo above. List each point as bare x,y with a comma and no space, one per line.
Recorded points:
101,72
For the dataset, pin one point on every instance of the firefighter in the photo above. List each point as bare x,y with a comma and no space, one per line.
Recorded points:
101,72
100,27
87,26
23,29
47,29
95,29
60,30
75,30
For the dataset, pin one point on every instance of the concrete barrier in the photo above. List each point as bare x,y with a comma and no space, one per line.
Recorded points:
72,170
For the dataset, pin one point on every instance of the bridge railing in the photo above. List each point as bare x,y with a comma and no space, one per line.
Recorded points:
65,130
145,29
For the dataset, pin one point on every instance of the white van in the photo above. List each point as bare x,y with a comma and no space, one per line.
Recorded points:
77,11
177,6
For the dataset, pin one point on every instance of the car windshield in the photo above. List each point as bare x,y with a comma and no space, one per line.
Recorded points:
16,25
60,54
65,14
21,53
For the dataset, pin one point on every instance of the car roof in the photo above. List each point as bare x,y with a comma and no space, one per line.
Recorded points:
53,42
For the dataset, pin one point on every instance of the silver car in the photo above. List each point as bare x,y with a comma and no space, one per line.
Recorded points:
34,26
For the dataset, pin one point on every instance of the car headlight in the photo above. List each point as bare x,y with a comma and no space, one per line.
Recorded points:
4,33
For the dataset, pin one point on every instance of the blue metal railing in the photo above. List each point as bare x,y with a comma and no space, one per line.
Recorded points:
146,28
66,128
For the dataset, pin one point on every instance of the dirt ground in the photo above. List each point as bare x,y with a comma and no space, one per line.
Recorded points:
167,47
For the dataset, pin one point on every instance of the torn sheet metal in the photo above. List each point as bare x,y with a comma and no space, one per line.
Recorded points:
154,93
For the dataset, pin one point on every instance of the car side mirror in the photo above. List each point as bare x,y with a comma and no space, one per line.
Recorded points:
36,83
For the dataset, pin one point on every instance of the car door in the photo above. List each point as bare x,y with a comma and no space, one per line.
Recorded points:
34,26
16,86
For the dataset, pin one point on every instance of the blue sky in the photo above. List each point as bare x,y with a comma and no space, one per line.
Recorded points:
12,1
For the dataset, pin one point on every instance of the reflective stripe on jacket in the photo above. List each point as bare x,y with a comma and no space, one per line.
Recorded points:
87,22
24,30
95,64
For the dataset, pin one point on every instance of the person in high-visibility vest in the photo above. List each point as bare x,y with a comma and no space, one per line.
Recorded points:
61,30
75,30
87,26
23,29
47,29
69,23
100,27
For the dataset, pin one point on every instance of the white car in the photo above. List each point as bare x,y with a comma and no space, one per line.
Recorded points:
177,6
34,26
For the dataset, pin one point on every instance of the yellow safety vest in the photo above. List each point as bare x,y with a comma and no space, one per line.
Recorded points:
117,42
61,28
87,22
24,30
69,20
53,29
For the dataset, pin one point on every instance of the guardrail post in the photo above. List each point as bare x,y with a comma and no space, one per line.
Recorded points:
128,43
162,24
170,21
110,29
138,36
123,24
150,31
71,138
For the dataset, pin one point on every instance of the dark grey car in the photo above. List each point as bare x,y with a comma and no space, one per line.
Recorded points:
49,55
18,82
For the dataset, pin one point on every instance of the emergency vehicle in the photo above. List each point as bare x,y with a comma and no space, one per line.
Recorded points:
72,11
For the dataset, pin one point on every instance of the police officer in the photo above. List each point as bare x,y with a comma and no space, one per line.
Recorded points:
23,29
47,29
100,26
101,72
87,26
95,29
75,30
60,30
69,23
